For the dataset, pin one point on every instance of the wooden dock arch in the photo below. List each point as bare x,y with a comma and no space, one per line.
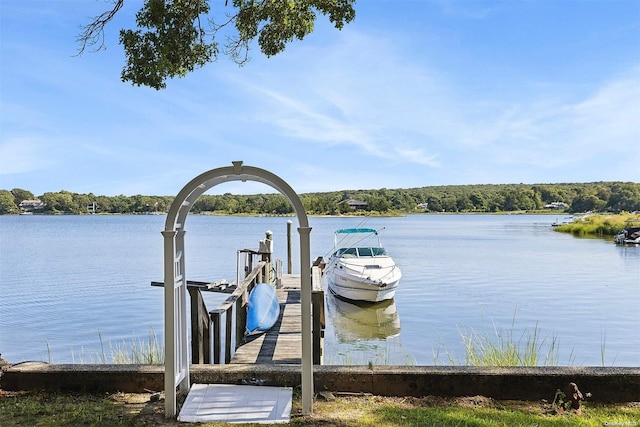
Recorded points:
176,365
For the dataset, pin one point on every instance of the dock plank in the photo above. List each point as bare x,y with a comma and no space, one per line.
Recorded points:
282,344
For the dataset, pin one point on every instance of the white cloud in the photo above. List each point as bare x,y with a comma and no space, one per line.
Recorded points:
603,124
410,113
378,104
343,95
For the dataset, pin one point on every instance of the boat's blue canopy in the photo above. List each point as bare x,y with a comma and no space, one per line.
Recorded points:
356,230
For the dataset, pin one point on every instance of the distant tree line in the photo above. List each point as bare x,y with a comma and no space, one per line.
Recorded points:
580,197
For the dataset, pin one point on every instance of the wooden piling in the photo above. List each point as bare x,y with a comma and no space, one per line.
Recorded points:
200,328
317,304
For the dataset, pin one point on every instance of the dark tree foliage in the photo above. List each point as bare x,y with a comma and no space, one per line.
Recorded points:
19,195
7,203
582,197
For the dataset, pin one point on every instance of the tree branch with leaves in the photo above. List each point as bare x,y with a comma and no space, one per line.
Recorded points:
171,39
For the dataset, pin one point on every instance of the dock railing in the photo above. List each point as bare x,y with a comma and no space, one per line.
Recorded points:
235,304
207,325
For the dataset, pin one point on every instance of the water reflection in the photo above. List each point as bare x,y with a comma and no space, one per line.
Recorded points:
628,251
354,322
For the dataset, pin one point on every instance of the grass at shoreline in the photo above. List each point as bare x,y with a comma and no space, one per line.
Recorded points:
598,225
505,349
147,409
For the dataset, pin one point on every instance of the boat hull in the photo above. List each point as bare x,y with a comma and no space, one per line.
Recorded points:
263,309
354,291
363,281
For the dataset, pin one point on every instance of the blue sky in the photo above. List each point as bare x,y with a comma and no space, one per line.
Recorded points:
412,93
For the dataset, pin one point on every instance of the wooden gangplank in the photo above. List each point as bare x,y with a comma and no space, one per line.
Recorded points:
282,344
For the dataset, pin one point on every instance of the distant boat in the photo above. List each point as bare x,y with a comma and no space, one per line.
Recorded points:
263,309
359,268
630,234
566,220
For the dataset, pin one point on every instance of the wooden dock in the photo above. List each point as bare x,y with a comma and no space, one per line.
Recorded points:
282,343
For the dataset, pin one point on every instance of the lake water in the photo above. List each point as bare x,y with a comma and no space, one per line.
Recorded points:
71,287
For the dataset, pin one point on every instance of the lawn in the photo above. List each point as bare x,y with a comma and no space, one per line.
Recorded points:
330,409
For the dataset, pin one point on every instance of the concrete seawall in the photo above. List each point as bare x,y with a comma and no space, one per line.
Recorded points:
518,383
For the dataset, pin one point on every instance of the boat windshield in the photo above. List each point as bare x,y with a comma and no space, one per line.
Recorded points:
360,252
347,252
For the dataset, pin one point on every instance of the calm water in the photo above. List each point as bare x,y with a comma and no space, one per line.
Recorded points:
68,283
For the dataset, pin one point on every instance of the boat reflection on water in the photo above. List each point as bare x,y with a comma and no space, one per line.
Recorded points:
355,322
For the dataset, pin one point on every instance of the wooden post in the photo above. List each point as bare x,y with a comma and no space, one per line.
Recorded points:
241,318
215,320
206,339
278,274
266,251
227,335
200,334
317,303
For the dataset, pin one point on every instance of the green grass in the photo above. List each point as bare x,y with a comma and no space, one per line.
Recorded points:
498,415
58,409
506,348
71,409
596,225
148,351
139,351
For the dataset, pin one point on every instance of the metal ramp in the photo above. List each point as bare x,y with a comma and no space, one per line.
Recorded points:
227,403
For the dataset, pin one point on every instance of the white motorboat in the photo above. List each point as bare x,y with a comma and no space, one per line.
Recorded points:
630,234
359,268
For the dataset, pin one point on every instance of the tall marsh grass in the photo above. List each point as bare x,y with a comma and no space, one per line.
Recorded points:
506,348
596,225
138,351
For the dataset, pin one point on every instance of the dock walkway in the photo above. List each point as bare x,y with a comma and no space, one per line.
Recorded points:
282,343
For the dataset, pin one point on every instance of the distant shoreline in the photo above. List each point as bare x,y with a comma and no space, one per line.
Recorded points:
346,215
553,199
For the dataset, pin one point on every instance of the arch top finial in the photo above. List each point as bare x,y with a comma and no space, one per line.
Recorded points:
237,167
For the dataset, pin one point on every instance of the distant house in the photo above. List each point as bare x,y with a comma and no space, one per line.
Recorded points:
556,205
423,206
31,204
354,204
